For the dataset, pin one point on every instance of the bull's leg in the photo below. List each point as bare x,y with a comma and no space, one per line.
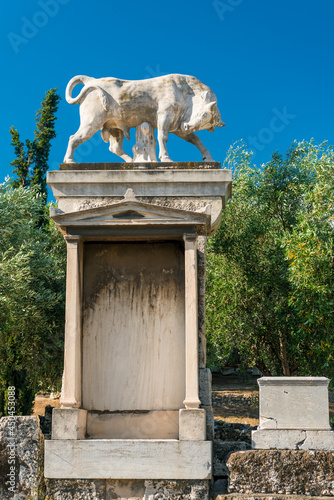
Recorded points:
116,144
84,133
164,122
194,139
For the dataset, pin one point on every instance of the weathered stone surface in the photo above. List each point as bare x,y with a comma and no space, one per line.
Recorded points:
176,490
267,439
294,403
285,472
69,423
192,424
127,459
205,386
81,489
21,447
144,149
133,425
115,106
119,302
77,190
63,489
233,496
221,453
204,374
161,165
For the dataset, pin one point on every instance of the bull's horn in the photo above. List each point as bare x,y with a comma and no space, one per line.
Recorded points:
205,96
221,124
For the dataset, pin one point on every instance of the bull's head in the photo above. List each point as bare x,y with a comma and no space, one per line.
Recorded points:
206,115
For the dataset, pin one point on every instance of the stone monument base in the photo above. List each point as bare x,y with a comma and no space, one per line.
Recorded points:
127,459
267,439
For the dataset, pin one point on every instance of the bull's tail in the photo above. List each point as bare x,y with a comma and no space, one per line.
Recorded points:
89,84
72,83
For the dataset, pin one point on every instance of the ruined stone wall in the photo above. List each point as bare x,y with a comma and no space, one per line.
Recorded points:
253,474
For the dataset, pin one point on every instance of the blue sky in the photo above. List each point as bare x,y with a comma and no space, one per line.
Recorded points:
270,63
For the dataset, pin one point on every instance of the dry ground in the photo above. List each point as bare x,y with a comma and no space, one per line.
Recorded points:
42,400
235,400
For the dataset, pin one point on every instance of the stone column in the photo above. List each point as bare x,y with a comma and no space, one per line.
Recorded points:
71,388
191,321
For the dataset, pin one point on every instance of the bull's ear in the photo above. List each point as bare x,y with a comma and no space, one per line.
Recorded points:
205,95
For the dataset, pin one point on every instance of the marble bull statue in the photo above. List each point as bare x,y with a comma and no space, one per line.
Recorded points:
179,104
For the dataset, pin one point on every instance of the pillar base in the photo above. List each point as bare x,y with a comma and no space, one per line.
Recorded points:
69,423
192,424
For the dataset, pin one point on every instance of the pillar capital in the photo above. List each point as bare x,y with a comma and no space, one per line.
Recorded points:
72,238
190,238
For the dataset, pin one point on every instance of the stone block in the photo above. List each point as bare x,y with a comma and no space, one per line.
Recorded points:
69,423
133,425
192,424
21,457
294,403
177,490
80,489
221,452
267,439
205,380
83,489
281,472
128,459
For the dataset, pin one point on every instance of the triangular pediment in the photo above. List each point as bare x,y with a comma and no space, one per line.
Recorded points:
130,212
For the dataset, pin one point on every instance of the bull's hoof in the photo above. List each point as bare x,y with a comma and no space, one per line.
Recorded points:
69,160
127,158
165,158
208,158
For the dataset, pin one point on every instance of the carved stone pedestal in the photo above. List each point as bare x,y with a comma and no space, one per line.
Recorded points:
294,414
136,394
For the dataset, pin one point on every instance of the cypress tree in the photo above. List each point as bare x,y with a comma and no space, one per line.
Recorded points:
31,162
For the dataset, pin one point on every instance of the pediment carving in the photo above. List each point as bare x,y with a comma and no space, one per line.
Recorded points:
131,212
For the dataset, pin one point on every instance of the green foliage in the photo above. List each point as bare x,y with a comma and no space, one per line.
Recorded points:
32,284
270,282
31,162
